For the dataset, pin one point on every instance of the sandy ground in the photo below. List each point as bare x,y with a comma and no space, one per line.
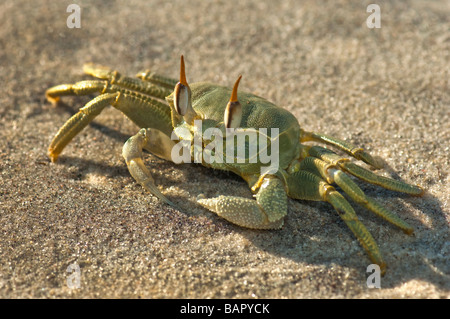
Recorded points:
385,89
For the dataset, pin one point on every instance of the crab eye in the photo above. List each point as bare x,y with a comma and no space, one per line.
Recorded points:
233,111
233,115
182,98
182,92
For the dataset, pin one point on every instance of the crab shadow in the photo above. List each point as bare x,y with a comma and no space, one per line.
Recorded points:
305,237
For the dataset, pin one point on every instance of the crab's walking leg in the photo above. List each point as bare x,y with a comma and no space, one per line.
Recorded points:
132,153
157,79
332,174
77,122
112,81
53,94
154,85
266,212
307,186
349,148
364,174
140,109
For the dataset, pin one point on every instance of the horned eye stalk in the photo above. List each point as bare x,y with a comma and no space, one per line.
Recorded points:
182,96
233,111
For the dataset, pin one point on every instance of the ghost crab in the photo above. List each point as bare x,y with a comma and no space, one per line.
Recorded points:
304,172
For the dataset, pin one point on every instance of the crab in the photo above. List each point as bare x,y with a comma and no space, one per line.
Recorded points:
303,170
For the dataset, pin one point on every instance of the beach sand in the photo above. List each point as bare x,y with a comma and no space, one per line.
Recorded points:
385,89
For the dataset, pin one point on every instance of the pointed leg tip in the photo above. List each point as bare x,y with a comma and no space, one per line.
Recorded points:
378,162
143,74
54,100
414,190
53,157
383,268
88,66
97,70
375,161
420,191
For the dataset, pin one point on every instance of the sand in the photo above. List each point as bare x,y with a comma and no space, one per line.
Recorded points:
385,89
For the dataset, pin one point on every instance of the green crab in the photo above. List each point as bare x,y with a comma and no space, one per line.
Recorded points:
301,171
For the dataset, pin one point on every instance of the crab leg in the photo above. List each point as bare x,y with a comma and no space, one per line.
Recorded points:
159,89
132,153
111,81
80,88
332,174
96,86
77,122
362,173
349,148
307,186
99,86
266,212
156,79
139,108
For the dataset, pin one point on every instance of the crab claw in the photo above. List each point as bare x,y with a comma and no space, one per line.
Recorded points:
182,96
233,111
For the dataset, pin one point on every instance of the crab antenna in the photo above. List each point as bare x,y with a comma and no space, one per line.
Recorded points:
182,72
233,97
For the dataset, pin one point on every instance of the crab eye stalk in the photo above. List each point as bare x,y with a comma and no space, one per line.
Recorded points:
182,97
233,111
182,92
